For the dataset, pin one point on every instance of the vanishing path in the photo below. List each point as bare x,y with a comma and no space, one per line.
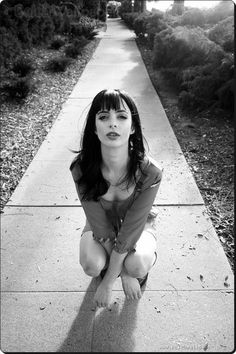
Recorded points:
46,298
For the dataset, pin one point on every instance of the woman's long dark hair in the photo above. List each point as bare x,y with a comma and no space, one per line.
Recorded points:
92,182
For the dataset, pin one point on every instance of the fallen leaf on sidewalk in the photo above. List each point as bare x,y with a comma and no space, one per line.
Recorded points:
205,347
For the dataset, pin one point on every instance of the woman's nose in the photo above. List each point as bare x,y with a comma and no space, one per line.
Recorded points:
113,125
113,121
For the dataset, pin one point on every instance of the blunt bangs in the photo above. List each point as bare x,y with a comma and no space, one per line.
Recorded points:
112,99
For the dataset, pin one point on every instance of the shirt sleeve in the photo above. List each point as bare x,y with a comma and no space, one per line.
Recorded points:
95,214
136,216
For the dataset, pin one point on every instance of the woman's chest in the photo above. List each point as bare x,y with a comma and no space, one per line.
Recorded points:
118,193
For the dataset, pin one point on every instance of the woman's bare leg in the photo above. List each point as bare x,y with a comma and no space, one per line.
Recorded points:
93,257
138,264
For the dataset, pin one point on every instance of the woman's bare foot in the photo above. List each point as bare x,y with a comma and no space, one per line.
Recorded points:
131,287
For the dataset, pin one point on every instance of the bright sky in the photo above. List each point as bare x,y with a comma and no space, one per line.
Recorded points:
163,5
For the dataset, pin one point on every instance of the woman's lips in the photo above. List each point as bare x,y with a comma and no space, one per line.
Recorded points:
113,135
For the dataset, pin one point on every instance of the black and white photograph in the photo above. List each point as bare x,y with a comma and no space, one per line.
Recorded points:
117,176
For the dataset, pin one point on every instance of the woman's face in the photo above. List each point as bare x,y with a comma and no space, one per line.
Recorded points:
114,127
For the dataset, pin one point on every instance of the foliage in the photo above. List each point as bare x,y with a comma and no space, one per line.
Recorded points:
182,47
9,47
223,33
113,8
126,7
72,51
18,88
22,66
193,17
224,9
129,18
203,85
26,24
140,24
91,8
75,48
58,64
155,24
57,42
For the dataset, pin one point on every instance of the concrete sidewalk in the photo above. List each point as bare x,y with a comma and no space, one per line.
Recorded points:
46,303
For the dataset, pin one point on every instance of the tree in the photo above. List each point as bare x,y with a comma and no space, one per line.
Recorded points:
178,7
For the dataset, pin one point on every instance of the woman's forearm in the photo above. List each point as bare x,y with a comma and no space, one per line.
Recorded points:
115,267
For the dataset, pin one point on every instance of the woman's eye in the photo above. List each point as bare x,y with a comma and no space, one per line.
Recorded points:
102,117
123,117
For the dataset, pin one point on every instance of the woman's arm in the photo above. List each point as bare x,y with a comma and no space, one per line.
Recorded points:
103,294
136,216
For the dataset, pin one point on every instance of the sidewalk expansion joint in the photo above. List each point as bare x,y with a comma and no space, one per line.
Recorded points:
228,291
80,206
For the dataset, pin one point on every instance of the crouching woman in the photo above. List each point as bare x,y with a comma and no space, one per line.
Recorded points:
116,183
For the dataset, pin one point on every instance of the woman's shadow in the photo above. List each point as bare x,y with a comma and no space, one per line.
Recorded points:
103,330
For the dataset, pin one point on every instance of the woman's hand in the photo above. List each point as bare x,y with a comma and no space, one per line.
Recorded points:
103,295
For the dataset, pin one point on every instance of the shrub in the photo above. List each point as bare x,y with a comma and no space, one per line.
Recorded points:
22,66
76,29
223,32
57,43
203,85
193,17
221,11
126,7
225,95
174,76
187,100
9,47
155,24
129,18
72,51
80,42
18,88
182,47
58,64
102,15
140,24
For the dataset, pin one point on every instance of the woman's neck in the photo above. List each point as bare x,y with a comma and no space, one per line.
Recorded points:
115,161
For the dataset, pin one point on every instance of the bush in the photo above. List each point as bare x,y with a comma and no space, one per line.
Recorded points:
57,43
80,42
72,51
140,24
155,24
58,64
126,7
203,85
182,47
76,29
129,18
18,88
221,11
193,17
223,32
9,47
22,66
225,95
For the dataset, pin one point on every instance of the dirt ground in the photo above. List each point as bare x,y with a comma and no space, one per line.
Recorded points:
207,141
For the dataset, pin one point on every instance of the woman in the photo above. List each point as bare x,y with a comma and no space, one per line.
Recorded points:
116,184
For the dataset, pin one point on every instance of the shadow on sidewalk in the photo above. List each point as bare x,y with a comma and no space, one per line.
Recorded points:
79,336
102,330
113,330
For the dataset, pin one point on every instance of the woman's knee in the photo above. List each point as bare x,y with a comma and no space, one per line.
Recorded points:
136,266
92,267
